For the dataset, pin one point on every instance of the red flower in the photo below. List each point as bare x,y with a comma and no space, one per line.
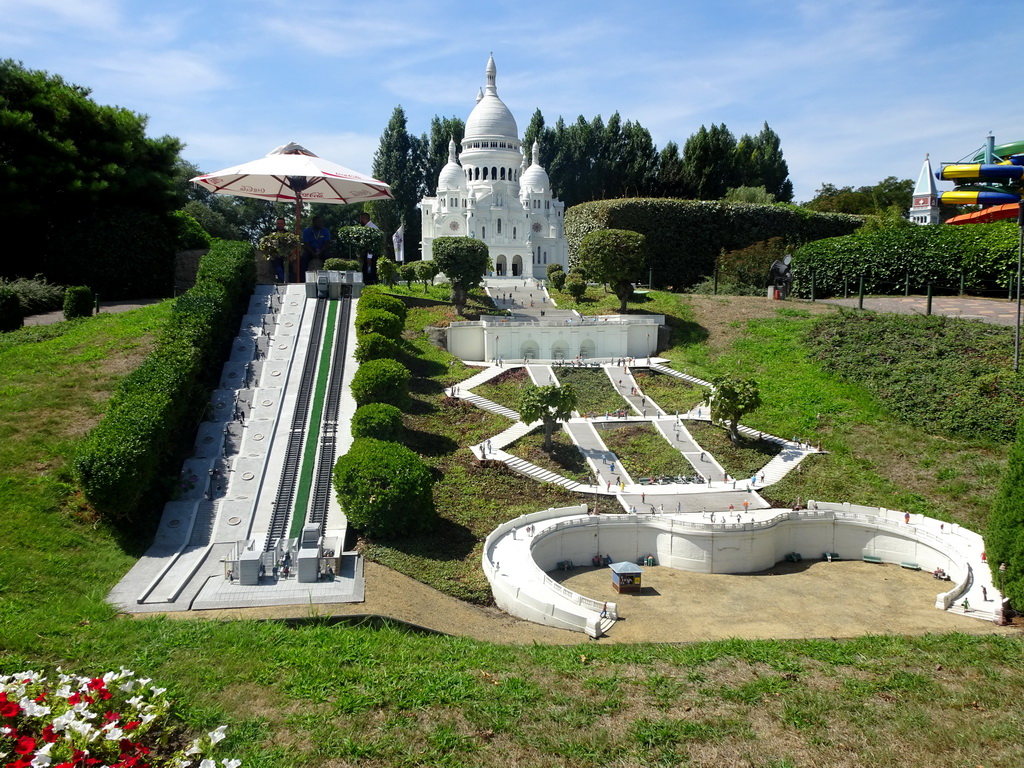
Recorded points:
131,725
96,684
75,698
26,745
49,735
21,762
8,708
111,717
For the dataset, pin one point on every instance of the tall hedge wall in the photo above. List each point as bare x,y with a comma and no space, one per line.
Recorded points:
986,255
686,236
156,408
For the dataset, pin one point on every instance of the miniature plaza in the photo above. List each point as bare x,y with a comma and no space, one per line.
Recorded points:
217,545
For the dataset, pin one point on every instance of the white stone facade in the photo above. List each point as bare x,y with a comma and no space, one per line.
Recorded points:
486,192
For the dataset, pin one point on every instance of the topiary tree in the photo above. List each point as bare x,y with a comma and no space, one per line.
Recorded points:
551,404
426,271
78,302
387,271
378,420
1004,536
730,399
558,279
575,285
384,489
379,321
408,273
464,261
381,381
11,316
374,346
615,257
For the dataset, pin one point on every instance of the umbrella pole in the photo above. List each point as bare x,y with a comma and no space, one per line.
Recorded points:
298,233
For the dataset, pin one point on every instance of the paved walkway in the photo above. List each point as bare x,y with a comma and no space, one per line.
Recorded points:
995,311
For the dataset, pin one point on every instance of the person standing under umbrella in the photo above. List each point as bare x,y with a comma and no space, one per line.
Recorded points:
316,241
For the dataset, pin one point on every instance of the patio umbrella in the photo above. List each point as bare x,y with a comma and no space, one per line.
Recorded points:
293,173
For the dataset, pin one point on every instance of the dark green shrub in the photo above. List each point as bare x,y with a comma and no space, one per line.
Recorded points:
384,489
750,266
378,420
373,298
151,417
381,381
373,346
190,235
985,254
557,278
575,286
1004,537
11,316
36,294
342,265
686,236
79,301
379,321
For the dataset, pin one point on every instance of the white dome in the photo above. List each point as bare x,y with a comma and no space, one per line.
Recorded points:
490,117
535,178
452,175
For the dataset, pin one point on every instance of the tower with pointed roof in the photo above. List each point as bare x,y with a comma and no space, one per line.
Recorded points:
924,207
486,191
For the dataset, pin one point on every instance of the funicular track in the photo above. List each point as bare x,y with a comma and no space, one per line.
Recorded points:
323,480
297,434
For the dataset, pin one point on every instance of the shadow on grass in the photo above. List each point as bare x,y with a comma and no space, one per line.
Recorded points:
447,541
686,332
428,443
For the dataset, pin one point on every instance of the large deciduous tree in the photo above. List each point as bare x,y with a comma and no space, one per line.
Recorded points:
730,399
85,195
616,257
464,261
399,161
550,404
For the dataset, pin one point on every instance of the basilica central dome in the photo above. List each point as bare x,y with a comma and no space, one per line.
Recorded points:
490,118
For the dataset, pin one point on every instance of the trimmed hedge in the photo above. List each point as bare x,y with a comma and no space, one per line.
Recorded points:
381,381
384,489
686,236
78,302
155,409
378,420
985,254
375,299
379,321
190,235
11,315
374,346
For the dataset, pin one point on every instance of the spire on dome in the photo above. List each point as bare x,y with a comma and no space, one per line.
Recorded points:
535,153
451,150
479,95
492,76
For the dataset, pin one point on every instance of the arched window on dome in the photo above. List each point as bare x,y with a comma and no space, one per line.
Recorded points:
547,205
545,257
483,232
513,233
502,174
499,226
477,172
494,173
485,173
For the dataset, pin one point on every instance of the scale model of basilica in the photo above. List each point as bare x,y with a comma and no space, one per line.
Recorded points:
487,192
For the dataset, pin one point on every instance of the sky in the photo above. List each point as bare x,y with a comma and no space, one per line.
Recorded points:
856,91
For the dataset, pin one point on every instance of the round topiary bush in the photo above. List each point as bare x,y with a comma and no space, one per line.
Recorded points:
78,302
377,420
374,346
11,316
381,381
379,321
371,299
384,489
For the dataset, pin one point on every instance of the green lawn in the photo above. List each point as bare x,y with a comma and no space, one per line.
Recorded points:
322,694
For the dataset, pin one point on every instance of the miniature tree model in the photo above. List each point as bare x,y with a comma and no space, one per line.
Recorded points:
464,260
616,257
730,399
550,404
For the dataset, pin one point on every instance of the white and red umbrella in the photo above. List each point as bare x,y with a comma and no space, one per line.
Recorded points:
292,173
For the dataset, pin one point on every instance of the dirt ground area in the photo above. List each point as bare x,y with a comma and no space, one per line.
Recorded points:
792,600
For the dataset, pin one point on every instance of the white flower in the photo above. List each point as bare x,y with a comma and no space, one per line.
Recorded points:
230,763
159,691
32,709
207,763
114,734
193,748
217,734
